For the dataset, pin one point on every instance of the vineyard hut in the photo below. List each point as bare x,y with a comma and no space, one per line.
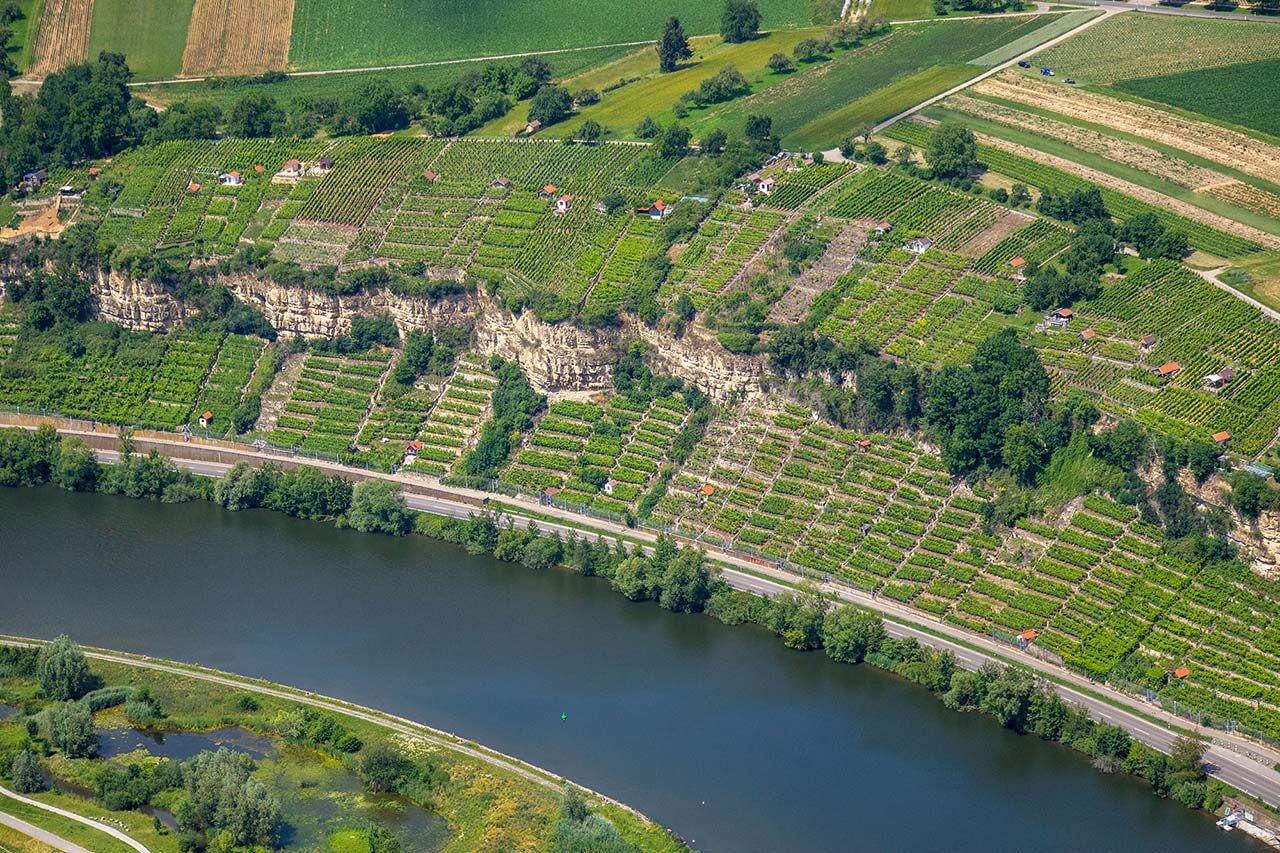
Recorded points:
430,175
707,490
322,166
918,245
600,207
1060,317
1164,371
259,168
292,169
1181,672
564,203
206,419
230,179
766,186
1147,343
533,127
865,444
658,209
1216,381
1088,335
94,171
31,181
884,227
608,486
503,182
548,191
193,187
68,191
1221,437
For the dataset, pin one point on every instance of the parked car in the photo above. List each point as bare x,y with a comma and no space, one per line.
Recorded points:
1046,71
1022,63
1070,82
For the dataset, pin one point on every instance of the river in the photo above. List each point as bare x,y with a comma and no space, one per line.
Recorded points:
718,732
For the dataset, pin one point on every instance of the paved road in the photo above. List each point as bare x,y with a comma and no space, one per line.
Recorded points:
1155,8
1227,756
996,69
32,831
60,843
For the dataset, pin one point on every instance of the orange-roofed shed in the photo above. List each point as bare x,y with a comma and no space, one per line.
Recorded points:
1181,672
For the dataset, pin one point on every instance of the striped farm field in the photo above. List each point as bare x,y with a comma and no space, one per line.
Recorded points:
61,35
150,33
238,37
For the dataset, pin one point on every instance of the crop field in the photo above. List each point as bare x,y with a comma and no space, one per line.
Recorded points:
1236,150
150,33
237,37
402,31
912,207
330,402
819,108
60,36
454,419
604,454
1017,168
1247,94
1128,46
149,381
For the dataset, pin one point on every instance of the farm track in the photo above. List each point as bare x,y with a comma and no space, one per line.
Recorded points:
62,36
238,36
838,259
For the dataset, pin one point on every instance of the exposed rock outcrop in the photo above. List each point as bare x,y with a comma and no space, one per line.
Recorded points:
556,357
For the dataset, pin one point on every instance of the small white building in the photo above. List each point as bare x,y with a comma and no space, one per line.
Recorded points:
766,185
918,245
564,203
291,171
231,179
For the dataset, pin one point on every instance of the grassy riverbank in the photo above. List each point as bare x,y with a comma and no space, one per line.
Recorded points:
335,775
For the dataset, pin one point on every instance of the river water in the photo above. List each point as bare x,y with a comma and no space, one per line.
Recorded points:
718,732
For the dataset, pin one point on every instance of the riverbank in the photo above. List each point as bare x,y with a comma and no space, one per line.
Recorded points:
487,798
1242,763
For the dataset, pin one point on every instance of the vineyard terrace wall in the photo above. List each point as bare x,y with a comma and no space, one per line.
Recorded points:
556,357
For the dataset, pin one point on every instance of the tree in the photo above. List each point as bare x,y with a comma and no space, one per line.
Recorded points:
1019,194
632,579
952,152
1186,756
242,487
25,771
591,131
78,469
382,840
875,153
69,727
673,47
11,12
255,115
780,63
62,670
1202,459
740,21
850,634
647,128
550,105
377,106
383,767
574,806
1172,245
222,797
714,142
1008,697
686,582
811,50
1023,451
760,135
613,202
378,507
673,142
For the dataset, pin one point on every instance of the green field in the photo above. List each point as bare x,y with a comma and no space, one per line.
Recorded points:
24,31
403,31
1246,94
150,33
808,110
1137,45
340,86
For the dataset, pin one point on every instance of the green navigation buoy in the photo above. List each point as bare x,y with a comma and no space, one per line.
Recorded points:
563,716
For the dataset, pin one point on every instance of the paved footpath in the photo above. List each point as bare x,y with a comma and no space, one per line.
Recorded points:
54,840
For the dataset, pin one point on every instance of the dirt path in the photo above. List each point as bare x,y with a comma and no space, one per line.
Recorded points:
839,257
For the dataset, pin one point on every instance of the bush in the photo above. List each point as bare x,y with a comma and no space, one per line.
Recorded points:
63,670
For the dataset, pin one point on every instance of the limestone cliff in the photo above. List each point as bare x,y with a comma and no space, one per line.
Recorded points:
556,357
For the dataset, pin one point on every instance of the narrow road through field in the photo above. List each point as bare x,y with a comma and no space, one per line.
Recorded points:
996,69
54,840
1236,760
1211,276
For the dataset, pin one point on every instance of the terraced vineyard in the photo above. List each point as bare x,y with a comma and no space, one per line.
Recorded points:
913,206
726,240
330,402
149,381
604,454
456,417
225,386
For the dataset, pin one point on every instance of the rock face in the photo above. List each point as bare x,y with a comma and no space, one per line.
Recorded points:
555,357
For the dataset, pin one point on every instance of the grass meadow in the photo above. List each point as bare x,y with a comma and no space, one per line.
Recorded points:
1246,94
150,33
